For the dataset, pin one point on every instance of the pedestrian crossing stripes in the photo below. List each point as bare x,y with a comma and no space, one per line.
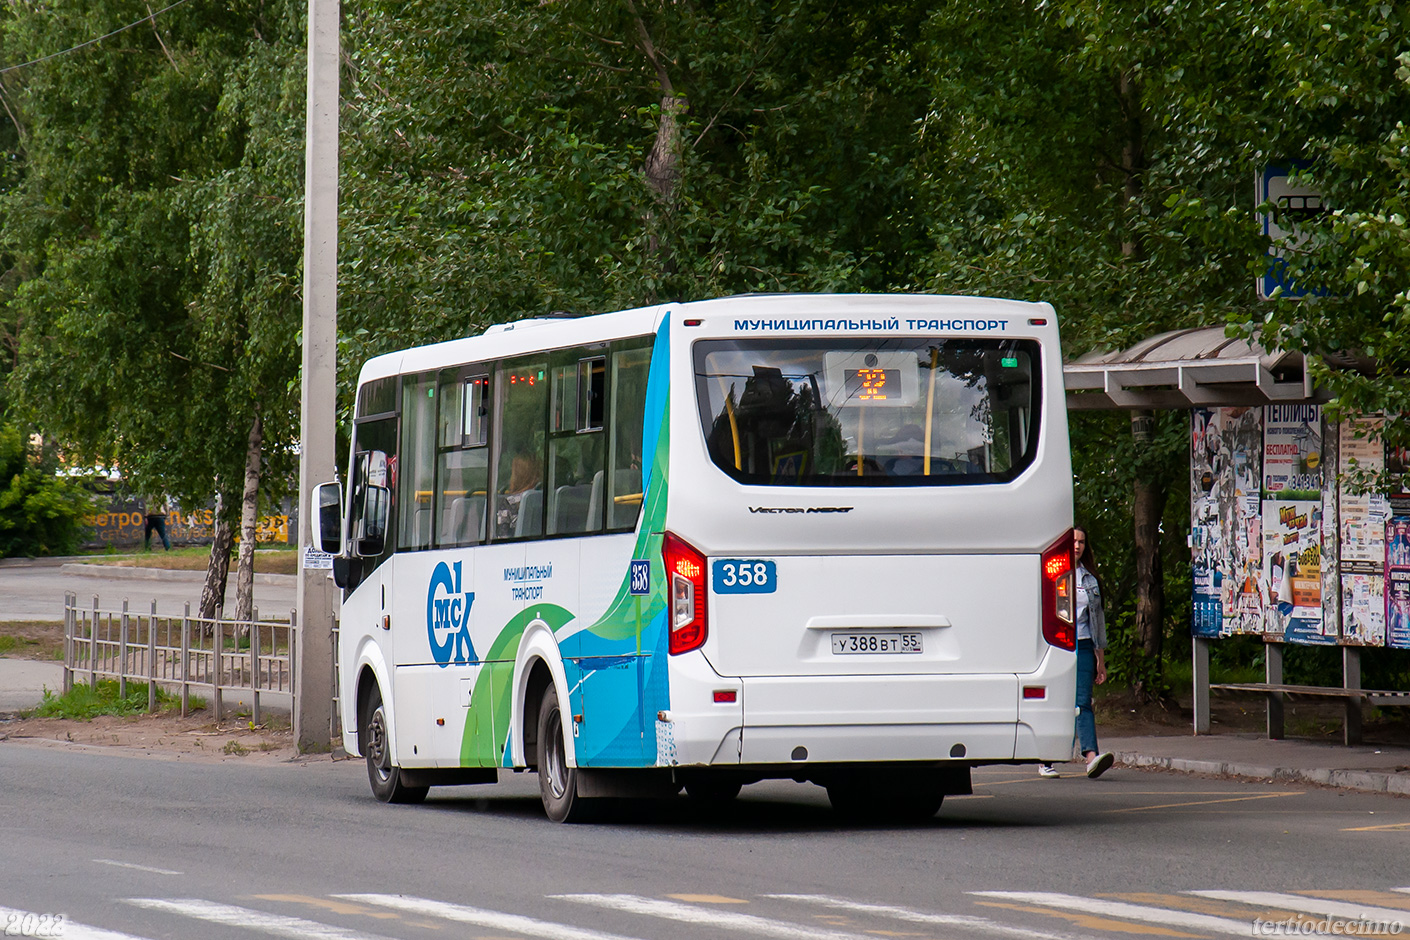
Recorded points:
704,917
921,917
514,923
280,925
1320,907
782,916
1126,911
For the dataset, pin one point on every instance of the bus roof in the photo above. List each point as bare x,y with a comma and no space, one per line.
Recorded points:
540,333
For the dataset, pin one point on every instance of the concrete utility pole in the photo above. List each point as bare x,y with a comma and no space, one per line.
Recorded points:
317,424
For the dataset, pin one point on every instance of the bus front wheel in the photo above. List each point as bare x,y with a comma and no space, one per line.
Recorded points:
558,782
384,776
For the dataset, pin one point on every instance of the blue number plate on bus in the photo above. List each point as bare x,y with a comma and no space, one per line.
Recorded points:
744,576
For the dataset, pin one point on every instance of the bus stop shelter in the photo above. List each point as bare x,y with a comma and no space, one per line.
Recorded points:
1281,546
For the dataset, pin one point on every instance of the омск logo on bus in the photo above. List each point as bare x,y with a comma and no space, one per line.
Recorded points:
448,616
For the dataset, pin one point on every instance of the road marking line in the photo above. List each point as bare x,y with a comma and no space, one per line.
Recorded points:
155,871
1293,902
1199,905
1125,911
723,920
479,917
1232,799
71,929
232,916
1364,896
1402,890
707,899
1092,921
1388,827
919,917
337,907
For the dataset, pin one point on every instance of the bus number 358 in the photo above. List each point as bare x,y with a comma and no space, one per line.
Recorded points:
744,576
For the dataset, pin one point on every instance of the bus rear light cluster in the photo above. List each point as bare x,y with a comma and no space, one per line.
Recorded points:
1059,594
685,576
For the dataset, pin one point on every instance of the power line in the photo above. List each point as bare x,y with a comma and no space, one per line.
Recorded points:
121,29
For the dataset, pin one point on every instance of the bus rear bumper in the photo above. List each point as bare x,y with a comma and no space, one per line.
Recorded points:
800,720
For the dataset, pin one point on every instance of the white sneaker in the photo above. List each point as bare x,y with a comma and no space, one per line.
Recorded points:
1100,764
1047,770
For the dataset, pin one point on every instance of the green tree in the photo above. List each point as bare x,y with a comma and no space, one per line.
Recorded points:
41,511
149,227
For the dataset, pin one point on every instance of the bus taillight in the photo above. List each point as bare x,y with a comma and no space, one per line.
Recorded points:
685,574
1059,600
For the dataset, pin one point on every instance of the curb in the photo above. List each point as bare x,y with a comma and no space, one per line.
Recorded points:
159,574
1368,780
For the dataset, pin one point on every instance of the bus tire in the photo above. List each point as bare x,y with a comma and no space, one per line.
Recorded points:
558,783
385,777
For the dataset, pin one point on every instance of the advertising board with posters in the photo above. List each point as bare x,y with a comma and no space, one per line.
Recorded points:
1362,516
1292,452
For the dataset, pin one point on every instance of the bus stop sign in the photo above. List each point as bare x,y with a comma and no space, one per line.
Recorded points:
1295,204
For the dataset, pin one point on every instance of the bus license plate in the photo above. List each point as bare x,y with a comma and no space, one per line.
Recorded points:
848,643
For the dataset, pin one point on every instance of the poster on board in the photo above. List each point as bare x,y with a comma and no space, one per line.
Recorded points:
1397,581
1226,522
1245,592
1208,546
1292,566
1292,452
1361,533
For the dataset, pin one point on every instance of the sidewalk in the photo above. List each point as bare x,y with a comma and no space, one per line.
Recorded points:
23,681
1369,767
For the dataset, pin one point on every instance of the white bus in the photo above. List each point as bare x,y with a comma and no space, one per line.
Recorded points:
697,545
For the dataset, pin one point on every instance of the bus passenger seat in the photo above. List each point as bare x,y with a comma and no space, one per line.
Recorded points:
530,518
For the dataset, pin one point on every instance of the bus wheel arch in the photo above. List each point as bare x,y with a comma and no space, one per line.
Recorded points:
366,683
558,777
538,678
374,739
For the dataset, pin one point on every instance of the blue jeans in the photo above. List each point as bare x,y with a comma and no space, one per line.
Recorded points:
1086,675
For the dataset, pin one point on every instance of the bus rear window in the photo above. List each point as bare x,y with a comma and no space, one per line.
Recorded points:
869,412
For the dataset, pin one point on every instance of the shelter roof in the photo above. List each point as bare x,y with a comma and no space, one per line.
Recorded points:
1198,367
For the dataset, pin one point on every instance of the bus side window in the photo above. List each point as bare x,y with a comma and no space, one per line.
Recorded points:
418,461
463,457
630,364
575,449
523,396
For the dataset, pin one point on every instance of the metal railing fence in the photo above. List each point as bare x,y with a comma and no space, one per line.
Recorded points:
210,655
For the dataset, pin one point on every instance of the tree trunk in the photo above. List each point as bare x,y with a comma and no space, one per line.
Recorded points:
662,166
249,520
218,568
1147,509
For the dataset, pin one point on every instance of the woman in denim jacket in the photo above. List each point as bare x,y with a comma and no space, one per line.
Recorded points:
1091,656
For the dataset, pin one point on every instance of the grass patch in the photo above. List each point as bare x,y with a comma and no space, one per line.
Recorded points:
83,701
32,639
272,560
235,749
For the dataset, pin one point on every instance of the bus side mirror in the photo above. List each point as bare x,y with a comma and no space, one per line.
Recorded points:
329,499
376,502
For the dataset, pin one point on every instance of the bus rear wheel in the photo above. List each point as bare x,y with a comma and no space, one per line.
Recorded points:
558,782
384,776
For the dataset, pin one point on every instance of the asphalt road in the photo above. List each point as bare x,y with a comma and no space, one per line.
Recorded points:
35,590
157,848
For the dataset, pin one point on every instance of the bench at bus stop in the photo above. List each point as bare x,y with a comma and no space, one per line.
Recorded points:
1275,690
